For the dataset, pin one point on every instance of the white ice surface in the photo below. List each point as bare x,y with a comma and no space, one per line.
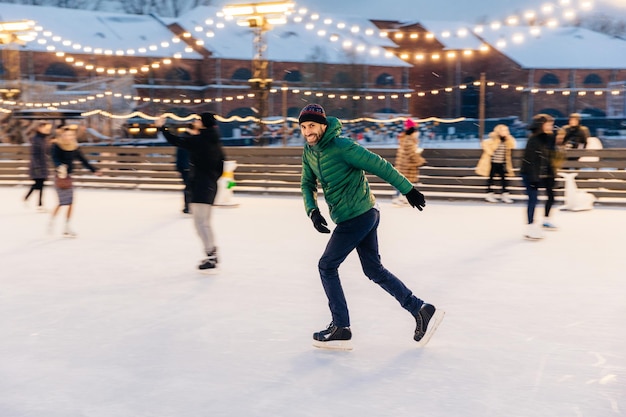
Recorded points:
118,323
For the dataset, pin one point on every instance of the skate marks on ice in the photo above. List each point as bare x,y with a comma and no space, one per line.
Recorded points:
334,345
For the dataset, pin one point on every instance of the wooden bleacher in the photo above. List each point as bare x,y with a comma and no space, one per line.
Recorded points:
449,173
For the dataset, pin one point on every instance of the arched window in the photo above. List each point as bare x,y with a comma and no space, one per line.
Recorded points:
177,74
241,112
60,69
293,112
470,99
552,112
386,110
293,76
594,112
385,79
593,79
242,74
342,78
549,79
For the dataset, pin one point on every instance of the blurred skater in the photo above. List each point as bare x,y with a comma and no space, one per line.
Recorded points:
339,165
496,161
408,158
573,135
64,151
38,167
206,164
538,172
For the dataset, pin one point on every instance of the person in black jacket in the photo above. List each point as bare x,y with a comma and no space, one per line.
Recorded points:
574,135
64,151
206,164
538,171
38,167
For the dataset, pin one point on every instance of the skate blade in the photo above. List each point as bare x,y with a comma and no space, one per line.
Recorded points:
532,238
69,236
333,345
432,327
210,271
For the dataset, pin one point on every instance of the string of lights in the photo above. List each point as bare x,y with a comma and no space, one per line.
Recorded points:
349,35
320,95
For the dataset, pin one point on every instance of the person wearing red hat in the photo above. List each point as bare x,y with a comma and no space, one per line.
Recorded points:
408,157
339,165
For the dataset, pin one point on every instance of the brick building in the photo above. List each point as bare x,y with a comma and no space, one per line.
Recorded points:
197,62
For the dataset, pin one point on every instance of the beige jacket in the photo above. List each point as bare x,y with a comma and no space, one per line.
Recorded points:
489,146
408,159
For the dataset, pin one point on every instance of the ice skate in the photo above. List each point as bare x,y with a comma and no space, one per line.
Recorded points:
209,264
491,198
427,320
506,198
68,232
549,225
533,232
333,338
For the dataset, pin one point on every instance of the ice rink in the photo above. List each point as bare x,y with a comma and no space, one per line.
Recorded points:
118,322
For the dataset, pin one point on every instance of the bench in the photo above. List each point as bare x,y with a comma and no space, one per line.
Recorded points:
448,174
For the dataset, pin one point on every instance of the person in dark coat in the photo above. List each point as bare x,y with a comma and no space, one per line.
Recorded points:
64,151
574,135
38,167
206,164
538,172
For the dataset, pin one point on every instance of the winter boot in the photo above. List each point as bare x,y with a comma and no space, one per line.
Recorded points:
210,263
334,338
506,198
491,198
427,320
533,232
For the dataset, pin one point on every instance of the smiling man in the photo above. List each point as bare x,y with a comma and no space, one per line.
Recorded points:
339,165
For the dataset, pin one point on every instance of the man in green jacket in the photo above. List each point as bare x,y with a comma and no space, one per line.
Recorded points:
339,165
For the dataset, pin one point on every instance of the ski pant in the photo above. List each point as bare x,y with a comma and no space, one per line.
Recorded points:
202,220
533,196
37,185
359,233
499,170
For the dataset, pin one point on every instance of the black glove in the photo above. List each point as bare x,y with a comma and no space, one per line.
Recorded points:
416,199
319,222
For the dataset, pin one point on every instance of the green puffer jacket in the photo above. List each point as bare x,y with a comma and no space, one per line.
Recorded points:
339,164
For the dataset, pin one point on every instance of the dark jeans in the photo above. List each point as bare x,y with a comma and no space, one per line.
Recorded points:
533,196
359,233
499,170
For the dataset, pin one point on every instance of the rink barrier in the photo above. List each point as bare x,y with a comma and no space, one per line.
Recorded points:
448,174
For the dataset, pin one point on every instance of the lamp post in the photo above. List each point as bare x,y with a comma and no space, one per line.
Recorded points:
13,33
260,17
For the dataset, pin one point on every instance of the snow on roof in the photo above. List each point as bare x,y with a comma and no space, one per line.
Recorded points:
96,29
559,48
452,35
293,42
